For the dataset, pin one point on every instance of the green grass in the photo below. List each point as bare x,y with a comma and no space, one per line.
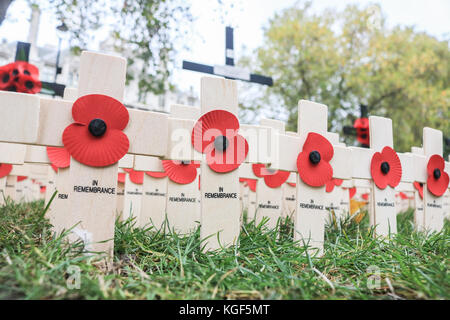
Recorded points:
152,265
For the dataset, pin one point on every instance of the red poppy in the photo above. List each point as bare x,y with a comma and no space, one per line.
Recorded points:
20,76
362,130
121,177
352,192
252,184
21,178
43,189
272,178
403,195
136,177
216,135
313,162
182,172
329,186
419,187
96,138
292,184
5,169
386,168
55,168
438,179
365,196
59,157
156,174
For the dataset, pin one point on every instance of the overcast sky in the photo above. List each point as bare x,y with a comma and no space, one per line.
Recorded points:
248,17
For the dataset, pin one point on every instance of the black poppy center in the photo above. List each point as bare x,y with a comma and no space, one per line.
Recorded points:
15,72
97,127
437,173
385,167
5,78
27,72
364,136
29,84
185,163
314,157
221,143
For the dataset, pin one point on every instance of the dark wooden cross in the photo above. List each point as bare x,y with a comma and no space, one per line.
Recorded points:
229,70
50,88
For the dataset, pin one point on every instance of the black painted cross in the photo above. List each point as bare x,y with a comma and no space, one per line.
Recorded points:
50,88
228,70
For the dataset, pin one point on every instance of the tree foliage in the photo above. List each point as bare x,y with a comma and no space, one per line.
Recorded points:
346,58
144,31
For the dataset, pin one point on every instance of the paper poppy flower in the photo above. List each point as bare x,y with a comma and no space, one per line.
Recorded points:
365,196
362,131
216,135
20,76
121,177
272,178
5,169
419,188
156,174
96,138
251,183
292,184
352,192
313,162
386,168
43,189
329,186
59,157
403,195
136,177
182,172
438,179
21,178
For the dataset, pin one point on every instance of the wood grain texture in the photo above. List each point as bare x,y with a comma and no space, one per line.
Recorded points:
12,153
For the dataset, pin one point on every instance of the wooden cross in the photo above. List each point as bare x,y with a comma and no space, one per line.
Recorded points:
432,205
419,177
309,218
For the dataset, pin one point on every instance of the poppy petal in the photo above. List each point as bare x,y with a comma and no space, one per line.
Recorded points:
231,158
292,184
210,125
156,174
338,182
21,178
437,186
98,106
252,184
329,186
93,151
256,168
365,196
5,169
380,179
277,179
59,157
28,84
316,142
136,177
419,188
179,172
121,177
352,192
314,175
395,172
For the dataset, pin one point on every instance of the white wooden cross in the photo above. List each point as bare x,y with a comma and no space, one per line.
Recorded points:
153,207
419,177
269,201
289,196
433,205
309,218
406,184
182,207
11,154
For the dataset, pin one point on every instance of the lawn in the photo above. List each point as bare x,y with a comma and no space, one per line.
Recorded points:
34,264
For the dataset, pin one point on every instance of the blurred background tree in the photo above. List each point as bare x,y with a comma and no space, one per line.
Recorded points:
343,59
143,31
